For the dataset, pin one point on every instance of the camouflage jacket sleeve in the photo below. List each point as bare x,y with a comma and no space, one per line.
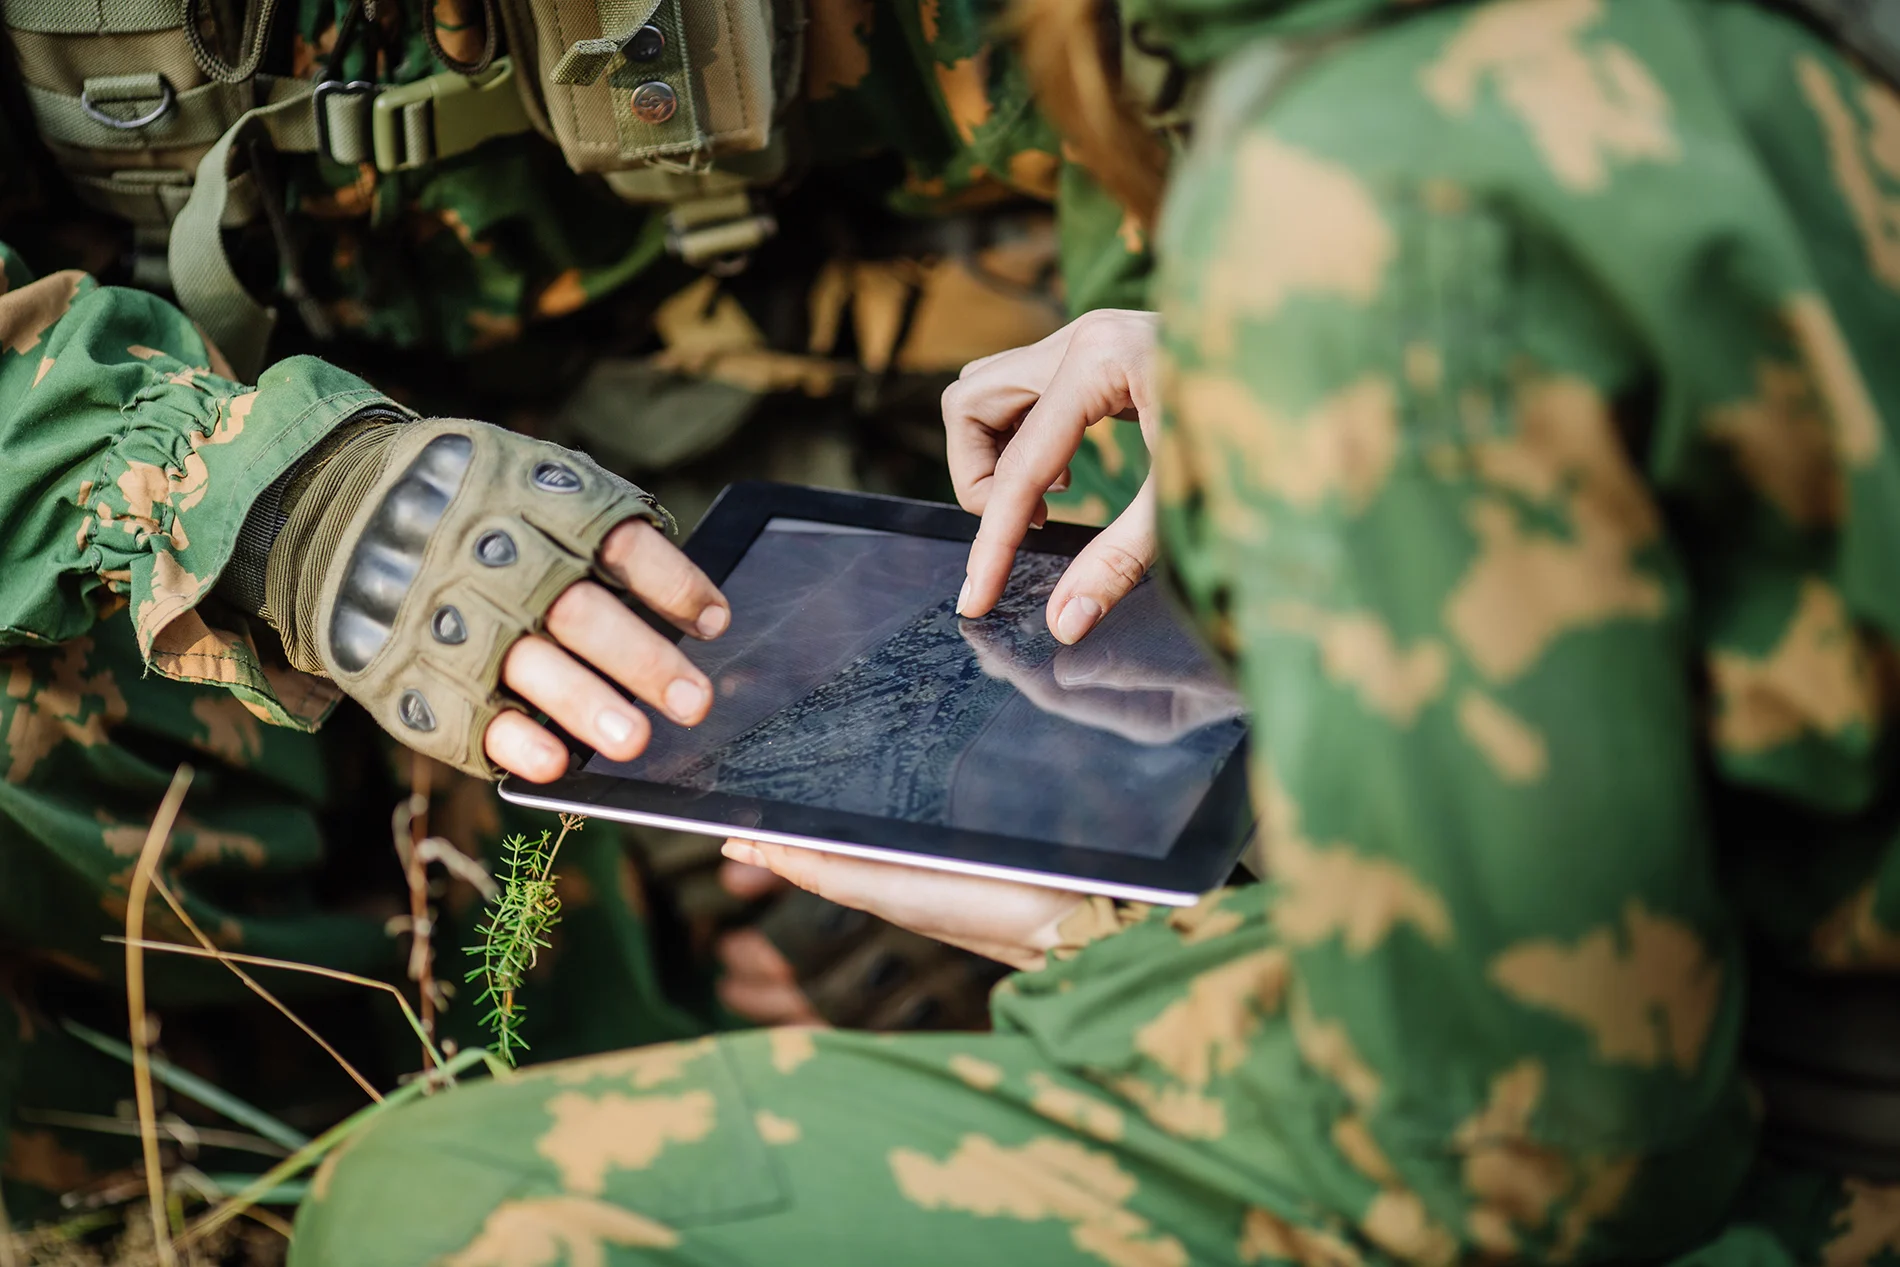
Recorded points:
132,458
1526,451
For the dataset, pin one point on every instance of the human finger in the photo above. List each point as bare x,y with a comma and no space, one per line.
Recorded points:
747,952
655,571
748,882
1004,920
1106,569
759,982
576,698
766,1003
1106,369
984,407
590,622
523,746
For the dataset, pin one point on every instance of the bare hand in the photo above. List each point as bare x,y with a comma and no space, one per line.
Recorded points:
999,919
1014,421
588,625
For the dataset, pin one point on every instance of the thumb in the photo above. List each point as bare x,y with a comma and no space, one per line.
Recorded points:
1106,569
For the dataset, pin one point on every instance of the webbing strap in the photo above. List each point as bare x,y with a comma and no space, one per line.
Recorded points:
207,287
197,116
585,61
153,197
435,118
715,227
412,125
100,17
711,215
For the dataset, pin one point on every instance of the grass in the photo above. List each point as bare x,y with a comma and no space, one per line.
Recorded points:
154,1232
516,933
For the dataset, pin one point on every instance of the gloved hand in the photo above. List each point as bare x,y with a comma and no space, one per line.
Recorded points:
439,572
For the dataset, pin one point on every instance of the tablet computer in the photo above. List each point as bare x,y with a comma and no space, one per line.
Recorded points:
854,711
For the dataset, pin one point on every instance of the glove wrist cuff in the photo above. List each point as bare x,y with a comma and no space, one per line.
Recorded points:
318,507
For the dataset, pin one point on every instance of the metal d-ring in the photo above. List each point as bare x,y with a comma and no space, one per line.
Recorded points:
166,99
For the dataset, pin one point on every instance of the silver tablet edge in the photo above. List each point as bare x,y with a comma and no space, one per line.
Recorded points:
1070,884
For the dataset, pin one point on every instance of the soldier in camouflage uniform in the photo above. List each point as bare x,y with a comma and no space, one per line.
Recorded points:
486,285
1530,446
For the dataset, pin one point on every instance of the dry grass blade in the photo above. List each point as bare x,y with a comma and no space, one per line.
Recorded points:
410,826
258,1214
201,1136
460,865
178,909
9,1249
136,894
290,965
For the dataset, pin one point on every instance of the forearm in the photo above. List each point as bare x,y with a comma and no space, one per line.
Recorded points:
132,464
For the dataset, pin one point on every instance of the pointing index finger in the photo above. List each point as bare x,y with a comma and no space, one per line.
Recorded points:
1033,462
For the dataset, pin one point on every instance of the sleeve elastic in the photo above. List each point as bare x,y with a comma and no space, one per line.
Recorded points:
132,460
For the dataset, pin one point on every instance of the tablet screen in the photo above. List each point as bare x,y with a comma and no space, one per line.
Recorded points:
848,682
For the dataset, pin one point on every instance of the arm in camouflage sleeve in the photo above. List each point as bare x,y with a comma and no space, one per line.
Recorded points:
1406,485
132,458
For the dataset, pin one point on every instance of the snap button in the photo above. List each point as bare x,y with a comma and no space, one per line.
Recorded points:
645,44
654,102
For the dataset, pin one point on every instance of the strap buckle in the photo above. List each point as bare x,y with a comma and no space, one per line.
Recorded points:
351,101
718,233
412,125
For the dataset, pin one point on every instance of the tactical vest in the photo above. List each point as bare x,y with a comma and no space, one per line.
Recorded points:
685,106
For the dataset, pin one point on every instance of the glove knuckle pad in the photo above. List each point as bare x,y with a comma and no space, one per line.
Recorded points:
459,550
379,571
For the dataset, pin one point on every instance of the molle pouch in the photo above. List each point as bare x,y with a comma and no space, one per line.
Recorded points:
124,109
675,102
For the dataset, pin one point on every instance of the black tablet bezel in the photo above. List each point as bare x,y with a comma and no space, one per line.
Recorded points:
1201,857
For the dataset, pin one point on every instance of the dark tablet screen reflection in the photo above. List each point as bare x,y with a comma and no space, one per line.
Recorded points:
848,682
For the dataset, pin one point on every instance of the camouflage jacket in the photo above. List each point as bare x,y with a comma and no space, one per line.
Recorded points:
1531,447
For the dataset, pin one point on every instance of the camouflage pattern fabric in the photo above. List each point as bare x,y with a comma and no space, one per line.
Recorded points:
483,286
1530,450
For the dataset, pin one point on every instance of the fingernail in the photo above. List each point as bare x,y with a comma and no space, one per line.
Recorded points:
739,851
713,621
616,728
1078,617
963,597
685,699
553,755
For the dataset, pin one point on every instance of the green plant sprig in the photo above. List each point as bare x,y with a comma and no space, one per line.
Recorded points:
519,922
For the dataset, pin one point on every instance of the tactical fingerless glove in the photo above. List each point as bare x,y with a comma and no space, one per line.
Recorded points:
410,556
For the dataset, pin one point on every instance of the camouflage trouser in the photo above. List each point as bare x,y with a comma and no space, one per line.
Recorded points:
1049,1141
284,849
